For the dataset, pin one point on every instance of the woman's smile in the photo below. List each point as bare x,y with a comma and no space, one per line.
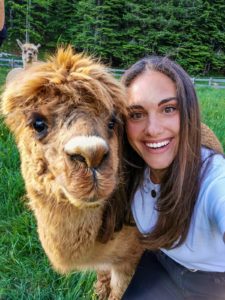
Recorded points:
158,145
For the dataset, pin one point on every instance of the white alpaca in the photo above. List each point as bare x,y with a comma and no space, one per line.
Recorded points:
29,56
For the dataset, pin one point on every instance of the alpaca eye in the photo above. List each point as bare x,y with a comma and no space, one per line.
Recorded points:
112,123
40,126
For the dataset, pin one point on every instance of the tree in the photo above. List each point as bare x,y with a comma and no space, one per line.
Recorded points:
121,32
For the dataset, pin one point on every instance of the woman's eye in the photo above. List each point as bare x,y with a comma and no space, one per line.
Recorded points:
169,109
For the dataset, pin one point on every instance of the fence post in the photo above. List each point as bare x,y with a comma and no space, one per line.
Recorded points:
210,81
11,62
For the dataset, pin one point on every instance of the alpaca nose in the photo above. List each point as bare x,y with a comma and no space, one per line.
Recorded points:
91,150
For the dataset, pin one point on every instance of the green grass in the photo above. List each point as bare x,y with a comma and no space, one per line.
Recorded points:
25,272
3,73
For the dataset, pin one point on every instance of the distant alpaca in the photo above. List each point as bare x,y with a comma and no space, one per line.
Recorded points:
29,56
67,115
29,53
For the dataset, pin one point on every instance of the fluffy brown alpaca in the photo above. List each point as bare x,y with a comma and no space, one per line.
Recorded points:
66,116
209,139
29,56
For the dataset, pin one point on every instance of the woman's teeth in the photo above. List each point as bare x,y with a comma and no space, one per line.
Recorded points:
157,145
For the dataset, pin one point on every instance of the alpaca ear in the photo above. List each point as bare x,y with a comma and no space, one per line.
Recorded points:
19,43
38,46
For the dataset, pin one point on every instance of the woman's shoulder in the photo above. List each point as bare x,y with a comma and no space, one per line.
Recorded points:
213,170
213,159
212,186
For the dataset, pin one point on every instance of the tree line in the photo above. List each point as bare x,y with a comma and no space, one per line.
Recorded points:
120,32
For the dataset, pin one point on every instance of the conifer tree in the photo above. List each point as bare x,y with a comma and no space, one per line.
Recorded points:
121,32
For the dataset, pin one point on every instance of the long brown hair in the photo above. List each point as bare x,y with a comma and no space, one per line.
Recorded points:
180,185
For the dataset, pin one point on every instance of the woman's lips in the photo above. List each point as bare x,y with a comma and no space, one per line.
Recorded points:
158,147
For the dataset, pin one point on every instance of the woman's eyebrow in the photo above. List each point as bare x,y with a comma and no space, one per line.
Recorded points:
137,106
163,101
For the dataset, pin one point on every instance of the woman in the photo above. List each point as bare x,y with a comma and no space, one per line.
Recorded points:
176,187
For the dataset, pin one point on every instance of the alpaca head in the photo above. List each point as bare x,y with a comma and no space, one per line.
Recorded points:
29,52
66,115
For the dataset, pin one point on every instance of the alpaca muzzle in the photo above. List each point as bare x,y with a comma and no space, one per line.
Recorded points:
92,151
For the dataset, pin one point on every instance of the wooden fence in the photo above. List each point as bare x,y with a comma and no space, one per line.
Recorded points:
218,83
209,82
11,62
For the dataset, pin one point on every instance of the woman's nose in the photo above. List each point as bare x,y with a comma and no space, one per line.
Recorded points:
153,126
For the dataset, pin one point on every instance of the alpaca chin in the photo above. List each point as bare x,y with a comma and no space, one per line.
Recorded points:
84,203
29,60
85,192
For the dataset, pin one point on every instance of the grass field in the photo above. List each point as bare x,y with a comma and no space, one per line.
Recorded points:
25,272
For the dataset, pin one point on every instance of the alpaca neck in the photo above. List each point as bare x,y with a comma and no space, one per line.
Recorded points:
26,65
64,217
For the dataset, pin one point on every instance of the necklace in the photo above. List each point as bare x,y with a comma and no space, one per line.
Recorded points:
153,193
154,188
149,186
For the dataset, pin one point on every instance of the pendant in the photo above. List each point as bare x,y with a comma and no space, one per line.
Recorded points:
153,193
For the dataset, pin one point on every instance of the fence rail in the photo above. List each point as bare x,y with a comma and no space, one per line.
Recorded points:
209,82
11,62
218,83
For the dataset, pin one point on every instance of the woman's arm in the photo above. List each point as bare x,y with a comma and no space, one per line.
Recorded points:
216,203
2,14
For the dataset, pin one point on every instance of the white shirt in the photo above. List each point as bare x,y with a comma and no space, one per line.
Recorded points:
203,248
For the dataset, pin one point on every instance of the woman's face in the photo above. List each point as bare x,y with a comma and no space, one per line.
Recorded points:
153,124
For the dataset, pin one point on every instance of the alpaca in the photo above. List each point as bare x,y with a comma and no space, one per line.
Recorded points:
29,53
209,139
29,56
66,114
